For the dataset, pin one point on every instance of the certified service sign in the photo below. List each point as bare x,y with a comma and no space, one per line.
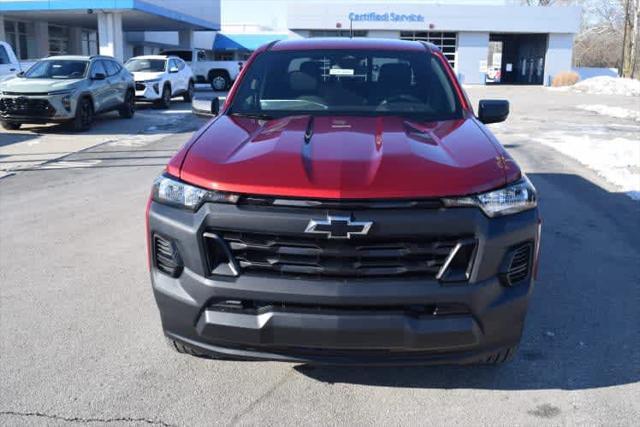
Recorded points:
385,17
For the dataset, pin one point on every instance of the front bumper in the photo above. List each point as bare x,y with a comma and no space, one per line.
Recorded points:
382,320
148,91
36,108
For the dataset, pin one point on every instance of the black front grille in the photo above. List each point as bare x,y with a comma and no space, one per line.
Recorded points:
23,106
520,264
140,86
310,255
166,256
255,307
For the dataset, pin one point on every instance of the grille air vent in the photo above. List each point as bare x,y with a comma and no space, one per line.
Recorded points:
520,264
166,256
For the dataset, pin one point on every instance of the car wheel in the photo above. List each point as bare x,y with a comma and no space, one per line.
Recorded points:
11,125
220,82
165,101
188,95
128,109
84,115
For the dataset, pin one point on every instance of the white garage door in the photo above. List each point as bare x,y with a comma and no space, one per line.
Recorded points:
447,42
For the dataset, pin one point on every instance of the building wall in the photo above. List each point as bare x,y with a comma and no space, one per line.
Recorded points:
473,47
559,55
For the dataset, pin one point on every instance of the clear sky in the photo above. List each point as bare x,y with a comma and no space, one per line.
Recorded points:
273,13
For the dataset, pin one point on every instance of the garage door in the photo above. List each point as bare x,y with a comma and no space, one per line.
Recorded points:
447,42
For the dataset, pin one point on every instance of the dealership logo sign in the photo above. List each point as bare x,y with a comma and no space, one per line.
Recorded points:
385,17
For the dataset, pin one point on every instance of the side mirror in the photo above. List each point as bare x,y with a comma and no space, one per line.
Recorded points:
98,76
493,110
173,69
198,107
215,106
20,74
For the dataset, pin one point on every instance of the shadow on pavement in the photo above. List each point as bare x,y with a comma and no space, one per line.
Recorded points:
15,138
583,326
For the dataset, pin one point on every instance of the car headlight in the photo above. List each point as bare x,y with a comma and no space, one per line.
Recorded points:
171,191
66,102
515,197
60,92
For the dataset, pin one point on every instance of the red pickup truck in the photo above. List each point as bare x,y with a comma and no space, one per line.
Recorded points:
346,205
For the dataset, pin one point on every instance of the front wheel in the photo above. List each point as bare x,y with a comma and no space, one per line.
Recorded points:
11,125
165,101
188,95
84,115
128,109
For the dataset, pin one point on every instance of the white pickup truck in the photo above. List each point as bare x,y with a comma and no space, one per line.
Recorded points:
9,63
220,74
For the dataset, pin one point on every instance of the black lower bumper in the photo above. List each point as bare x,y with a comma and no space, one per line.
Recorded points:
382,320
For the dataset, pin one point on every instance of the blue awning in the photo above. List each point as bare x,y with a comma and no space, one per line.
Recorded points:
244,42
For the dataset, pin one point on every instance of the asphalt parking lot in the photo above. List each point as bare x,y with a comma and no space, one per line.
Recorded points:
80,336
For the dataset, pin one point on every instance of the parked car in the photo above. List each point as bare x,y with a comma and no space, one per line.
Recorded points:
219,74
69,89
159,78
330,215
10,65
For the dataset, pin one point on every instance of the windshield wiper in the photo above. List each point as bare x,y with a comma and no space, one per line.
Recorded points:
259,116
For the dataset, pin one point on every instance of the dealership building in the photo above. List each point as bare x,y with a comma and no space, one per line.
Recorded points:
484,44
119,28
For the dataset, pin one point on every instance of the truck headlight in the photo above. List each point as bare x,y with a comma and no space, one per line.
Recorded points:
515,197
171,191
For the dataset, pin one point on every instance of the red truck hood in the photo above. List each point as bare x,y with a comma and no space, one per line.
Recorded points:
346,158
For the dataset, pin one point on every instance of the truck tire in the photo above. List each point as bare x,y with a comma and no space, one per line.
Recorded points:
128,109
11,125
219,80
187,349
84,115
502,356
165,100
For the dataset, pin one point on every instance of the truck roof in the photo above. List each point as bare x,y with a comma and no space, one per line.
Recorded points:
351,43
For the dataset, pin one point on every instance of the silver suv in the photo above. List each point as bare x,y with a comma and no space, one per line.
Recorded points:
67,89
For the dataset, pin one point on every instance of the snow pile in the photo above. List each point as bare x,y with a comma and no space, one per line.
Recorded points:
605,85
617,159
617,112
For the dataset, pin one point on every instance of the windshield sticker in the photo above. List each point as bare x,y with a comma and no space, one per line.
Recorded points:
341,72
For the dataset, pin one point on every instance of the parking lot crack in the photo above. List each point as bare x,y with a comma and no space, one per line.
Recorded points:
264,396
86,420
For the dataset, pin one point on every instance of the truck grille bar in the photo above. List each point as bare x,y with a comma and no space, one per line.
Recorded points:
304,255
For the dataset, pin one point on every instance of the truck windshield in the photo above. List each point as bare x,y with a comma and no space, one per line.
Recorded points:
185,55
353,82
57,69
151,65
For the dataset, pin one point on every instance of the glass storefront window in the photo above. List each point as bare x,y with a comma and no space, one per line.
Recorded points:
18,37
58,40
89,42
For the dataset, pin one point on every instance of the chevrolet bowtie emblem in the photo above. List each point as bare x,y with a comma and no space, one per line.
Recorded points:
338,227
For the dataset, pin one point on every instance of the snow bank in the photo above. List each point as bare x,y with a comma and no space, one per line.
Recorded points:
607,110
617,159
604,85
